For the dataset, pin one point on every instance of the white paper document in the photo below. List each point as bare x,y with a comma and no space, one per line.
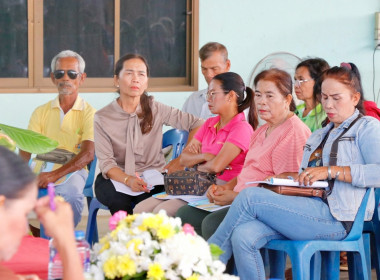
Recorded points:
152,177
290,182
187,198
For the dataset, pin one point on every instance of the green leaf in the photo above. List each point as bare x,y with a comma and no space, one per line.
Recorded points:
7,142
28,140
137,276
215,251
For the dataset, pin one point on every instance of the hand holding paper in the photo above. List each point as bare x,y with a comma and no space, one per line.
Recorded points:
149,179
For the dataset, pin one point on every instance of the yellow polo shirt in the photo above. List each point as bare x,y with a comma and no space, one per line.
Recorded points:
69,130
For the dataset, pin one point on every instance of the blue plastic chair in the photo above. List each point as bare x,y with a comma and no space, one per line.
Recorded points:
301,252
371,240
87,190
175,137
371,233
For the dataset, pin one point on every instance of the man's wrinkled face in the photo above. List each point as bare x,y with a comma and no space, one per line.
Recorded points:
68,83
214,65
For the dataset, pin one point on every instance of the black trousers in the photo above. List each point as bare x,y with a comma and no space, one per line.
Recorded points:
106,193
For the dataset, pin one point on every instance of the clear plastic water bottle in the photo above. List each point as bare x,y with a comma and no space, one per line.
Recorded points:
55,264
55,269
83,249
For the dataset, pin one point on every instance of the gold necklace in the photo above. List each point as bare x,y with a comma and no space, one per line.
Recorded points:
217,126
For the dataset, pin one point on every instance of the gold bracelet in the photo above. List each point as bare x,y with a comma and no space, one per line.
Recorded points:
126,179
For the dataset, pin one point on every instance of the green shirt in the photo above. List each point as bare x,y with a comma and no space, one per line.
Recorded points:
315,117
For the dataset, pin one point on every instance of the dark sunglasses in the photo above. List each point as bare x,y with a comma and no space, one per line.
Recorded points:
58,74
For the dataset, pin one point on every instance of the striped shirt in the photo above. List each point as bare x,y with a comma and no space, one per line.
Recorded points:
280,152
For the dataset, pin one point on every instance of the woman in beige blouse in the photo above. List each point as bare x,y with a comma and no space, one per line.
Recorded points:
128,135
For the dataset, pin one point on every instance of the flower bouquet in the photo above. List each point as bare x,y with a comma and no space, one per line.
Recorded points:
156,247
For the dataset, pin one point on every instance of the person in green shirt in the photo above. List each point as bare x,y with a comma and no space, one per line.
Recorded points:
307,88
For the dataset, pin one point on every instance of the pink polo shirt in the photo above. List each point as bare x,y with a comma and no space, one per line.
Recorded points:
238,132
280,152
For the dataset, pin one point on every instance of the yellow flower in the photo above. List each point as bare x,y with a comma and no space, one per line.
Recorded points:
127,221
110,268
129,218
103,240
193,277
135,243
165,231
126,266
153,222
106,246
115,232
142,227
155,272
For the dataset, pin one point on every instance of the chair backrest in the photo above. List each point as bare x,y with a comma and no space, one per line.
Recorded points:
87,191
357,227
177,138
377,200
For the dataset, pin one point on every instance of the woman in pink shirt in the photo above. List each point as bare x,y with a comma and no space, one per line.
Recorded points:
275,147
221,143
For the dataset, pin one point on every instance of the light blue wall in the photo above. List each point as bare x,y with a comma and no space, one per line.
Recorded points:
336,30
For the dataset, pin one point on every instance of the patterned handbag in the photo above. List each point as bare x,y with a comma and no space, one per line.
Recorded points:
188,182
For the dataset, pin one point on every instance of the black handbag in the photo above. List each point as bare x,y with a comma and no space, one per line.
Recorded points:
185,182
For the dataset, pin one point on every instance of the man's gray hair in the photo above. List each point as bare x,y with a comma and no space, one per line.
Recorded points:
210,48
68,53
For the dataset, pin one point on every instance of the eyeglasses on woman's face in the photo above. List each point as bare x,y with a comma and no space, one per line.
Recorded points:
298,83
211,94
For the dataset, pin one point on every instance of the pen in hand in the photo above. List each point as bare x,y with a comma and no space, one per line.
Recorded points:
51,193
138,177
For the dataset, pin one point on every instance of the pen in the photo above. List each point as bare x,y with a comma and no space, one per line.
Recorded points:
138,177
213,188
51,194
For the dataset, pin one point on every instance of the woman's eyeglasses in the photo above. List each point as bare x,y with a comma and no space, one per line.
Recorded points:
298,83
211,94
58,74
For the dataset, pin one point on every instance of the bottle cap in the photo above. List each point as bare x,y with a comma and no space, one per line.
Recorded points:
79,234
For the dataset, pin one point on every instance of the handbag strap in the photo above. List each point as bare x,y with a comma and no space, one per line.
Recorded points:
334,152
334,148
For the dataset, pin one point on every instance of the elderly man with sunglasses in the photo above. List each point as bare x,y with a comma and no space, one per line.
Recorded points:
69,120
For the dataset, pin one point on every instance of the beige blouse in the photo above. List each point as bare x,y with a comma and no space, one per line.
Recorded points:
119,141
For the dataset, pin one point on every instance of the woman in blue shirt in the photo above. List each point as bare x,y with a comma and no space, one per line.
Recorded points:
258,215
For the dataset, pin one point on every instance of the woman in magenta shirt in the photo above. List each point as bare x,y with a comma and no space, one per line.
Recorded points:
222,142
